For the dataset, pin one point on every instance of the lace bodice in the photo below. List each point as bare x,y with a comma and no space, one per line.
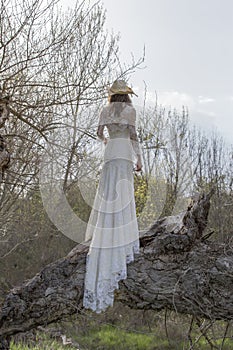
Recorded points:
120,121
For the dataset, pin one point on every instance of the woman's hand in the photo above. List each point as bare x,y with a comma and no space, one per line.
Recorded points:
105,140
138,165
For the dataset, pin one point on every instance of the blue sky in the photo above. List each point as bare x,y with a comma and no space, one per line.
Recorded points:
189,54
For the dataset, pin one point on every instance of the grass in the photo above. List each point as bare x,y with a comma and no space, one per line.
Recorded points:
44,342
46,346
107,338
94,336
111,338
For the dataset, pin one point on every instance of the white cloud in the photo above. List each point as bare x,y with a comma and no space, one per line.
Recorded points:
202,99
176,99
201,110
173,99
208,113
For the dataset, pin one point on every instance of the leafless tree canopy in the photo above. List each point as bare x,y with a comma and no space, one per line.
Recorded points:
54,65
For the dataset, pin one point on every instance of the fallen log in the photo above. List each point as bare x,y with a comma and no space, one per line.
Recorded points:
177,269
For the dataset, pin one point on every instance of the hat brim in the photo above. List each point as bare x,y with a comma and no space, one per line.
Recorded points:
129,91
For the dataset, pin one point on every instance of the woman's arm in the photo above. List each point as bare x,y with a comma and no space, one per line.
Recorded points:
136,147
135,141
100,134
100,130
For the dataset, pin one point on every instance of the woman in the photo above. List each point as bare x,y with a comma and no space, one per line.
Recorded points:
112,226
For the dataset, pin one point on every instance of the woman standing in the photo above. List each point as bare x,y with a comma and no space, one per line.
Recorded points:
112,226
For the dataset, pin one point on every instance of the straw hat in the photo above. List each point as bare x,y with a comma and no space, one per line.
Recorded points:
120,87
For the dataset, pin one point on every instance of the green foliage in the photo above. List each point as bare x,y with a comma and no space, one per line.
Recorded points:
141,192
111,338
46,345
34,241
78,203
150,195
107,337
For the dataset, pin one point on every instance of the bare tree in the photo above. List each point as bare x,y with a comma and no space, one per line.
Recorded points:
4,154
183,160
53,65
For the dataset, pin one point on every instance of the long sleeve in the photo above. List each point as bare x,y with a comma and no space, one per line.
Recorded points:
100,129
133,134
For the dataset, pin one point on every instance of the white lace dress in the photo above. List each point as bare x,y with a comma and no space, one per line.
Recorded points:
112,225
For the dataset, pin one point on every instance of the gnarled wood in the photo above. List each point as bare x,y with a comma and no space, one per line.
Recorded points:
176,269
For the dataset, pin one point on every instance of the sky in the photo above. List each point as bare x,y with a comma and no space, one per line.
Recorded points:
189,55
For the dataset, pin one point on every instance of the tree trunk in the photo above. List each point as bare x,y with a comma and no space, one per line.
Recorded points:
177,268
4,154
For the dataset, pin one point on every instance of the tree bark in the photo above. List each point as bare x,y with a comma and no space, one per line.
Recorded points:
4,154
177,268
